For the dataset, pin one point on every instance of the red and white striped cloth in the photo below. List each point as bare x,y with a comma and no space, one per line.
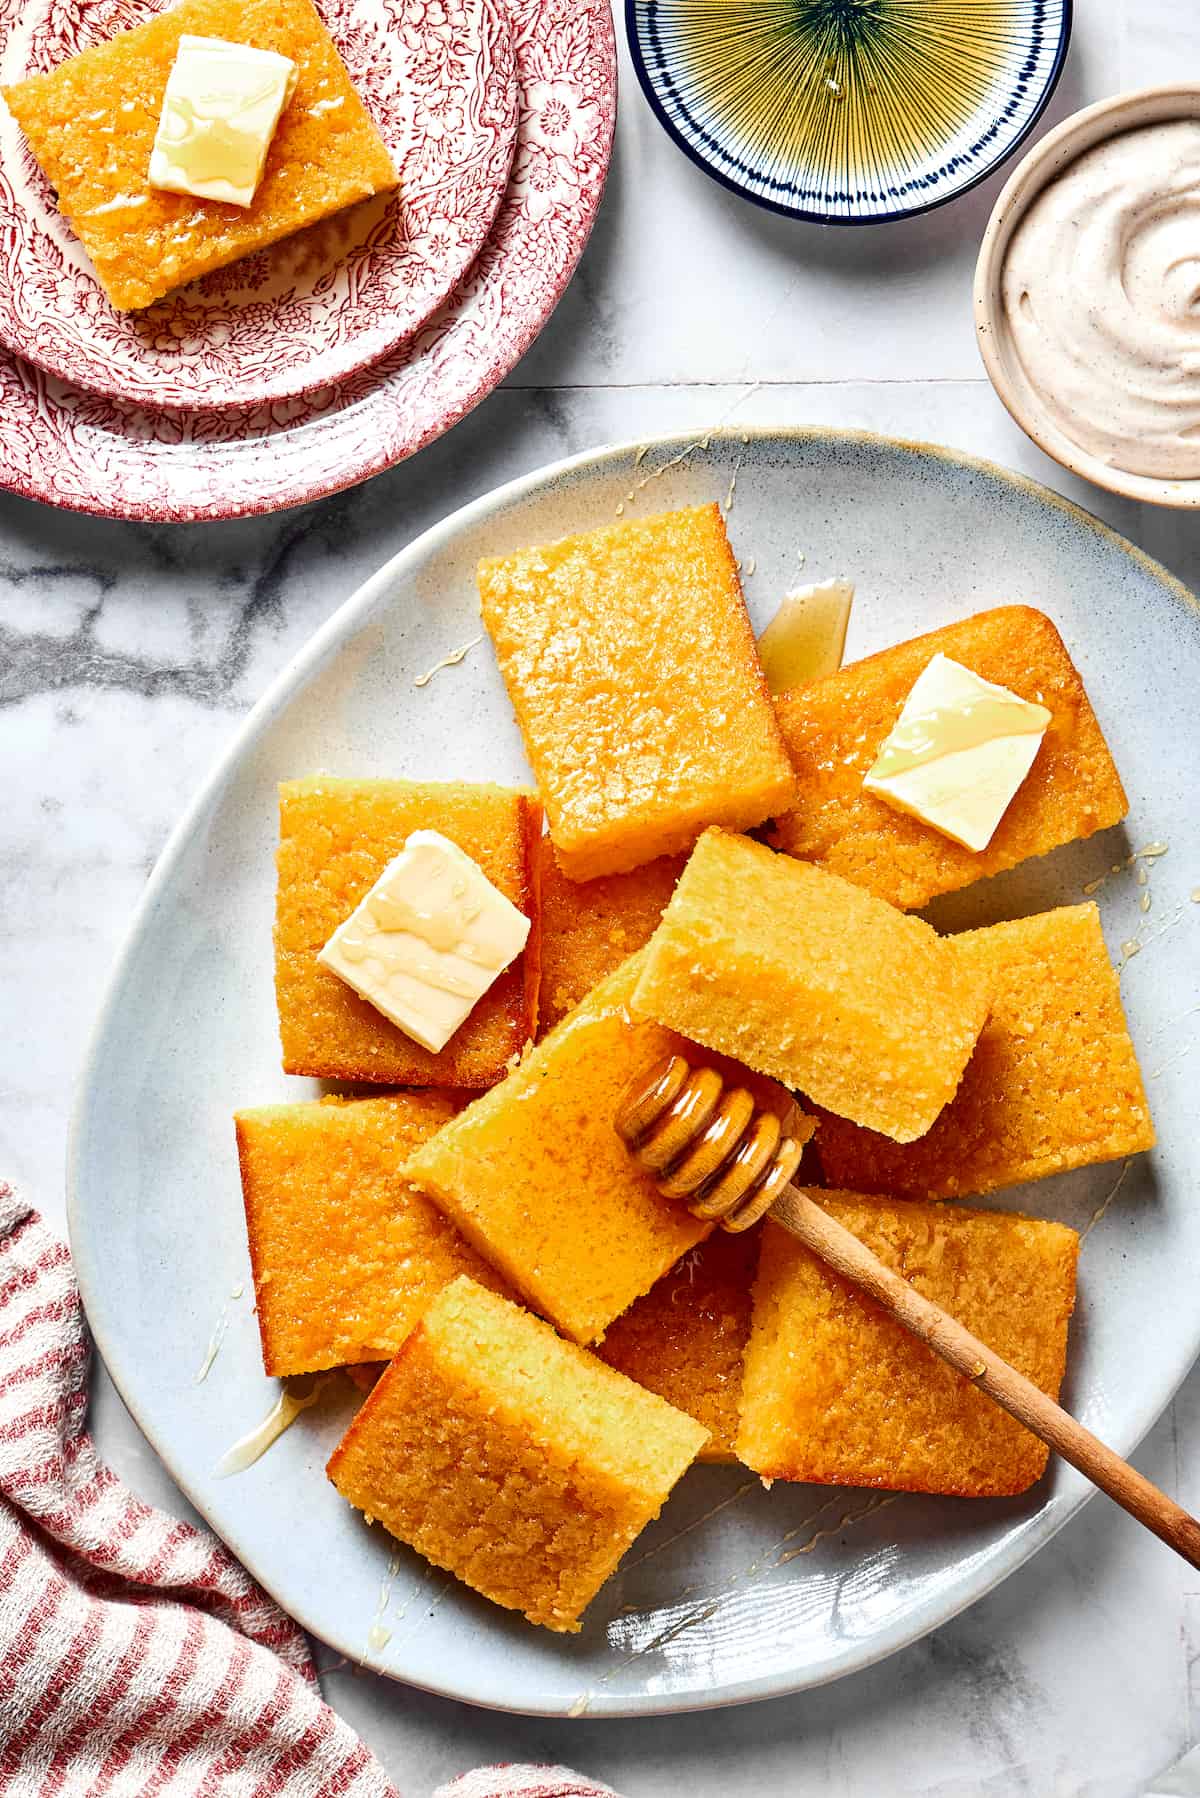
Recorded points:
138,1659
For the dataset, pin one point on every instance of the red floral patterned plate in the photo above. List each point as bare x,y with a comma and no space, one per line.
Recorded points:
96,454
439,77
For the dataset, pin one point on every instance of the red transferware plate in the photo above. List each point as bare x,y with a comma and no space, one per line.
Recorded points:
96,454
439,78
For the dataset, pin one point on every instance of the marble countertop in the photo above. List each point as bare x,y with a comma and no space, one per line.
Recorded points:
129,653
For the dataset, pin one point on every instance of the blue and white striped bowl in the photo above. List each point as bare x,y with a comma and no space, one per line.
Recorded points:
848,112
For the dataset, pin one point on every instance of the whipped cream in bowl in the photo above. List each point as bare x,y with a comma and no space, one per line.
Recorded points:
1087,295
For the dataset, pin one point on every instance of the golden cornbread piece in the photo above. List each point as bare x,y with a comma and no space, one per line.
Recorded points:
1053,1083
685,1338
535,1175
834,730
633,670
515,1460
589,927
809,979
336,838
345,1253
91,123
836,1392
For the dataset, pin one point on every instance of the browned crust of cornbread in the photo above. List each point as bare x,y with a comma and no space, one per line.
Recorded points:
1053,1083
834,730
836,1392
589,927
314,166
634,674
345,1254
516,1461
336,838
536,1177
814,982
685,1338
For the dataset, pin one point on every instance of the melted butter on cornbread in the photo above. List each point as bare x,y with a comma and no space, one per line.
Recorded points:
221,106
958,752
428,940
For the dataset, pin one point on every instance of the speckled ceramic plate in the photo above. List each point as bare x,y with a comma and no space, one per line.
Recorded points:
735,1593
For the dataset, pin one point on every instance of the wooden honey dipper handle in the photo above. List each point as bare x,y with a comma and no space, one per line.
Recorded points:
691,1132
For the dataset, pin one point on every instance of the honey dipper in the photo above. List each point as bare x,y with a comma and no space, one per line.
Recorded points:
730,1162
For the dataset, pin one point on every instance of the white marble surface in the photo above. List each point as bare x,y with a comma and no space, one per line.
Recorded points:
128,655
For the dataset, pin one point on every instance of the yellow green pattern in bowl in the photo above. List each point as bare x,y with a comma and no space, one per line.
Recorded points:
848,111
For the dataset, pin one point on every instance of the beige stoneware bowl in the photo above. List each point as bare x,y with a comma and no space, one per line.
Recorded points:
1082,131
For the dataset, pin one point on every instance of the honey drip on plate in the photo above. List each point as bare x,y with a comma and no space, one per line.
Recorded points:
254,1444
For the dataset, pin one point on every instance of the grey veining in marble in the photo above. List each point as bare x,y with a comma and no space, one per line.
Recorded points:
127,656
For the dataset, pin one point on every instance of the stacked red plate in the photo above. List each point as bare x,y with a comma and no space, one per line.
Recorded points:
340,351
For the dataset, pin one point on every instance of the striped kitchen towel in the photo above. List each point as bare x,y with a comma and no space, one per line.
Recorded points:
138,1659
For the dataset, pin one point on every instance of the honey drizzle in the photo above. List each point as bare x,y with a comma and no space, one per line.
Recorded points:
774,1557
659,1548
448,661
682,457
254,1444
1104,1204
215,1341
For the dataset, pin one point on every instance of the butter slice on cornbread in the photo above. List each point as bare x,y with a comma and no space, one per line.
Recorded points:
517,1461
632,668
836,1392
336,837
428,940
345,1253
91,123
835,728
536,1177
814,982
1053,1082
957,754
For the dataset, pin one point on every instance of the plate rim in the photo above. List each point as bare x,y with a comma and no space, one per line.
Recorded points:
1041,1526
804,215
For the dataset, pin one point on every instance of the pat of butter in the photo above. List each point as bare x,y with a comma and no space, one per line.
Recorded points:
219,113
428,940
807,636
958,752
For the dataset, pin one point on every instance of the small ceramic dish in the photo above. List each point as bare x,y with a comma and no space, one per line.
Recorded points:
848,114
1062,146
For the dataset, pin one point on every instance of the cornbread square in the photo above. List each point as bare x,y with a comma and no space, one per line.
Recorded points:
635,677
535,1175
1053,1083
91,124
345,1253
836,1392
685,1338
834,730
336,838
589,927
809,979
515,1460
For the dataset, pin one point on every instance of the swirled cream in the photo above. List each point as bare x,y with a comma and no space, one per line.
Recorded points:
1101,296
